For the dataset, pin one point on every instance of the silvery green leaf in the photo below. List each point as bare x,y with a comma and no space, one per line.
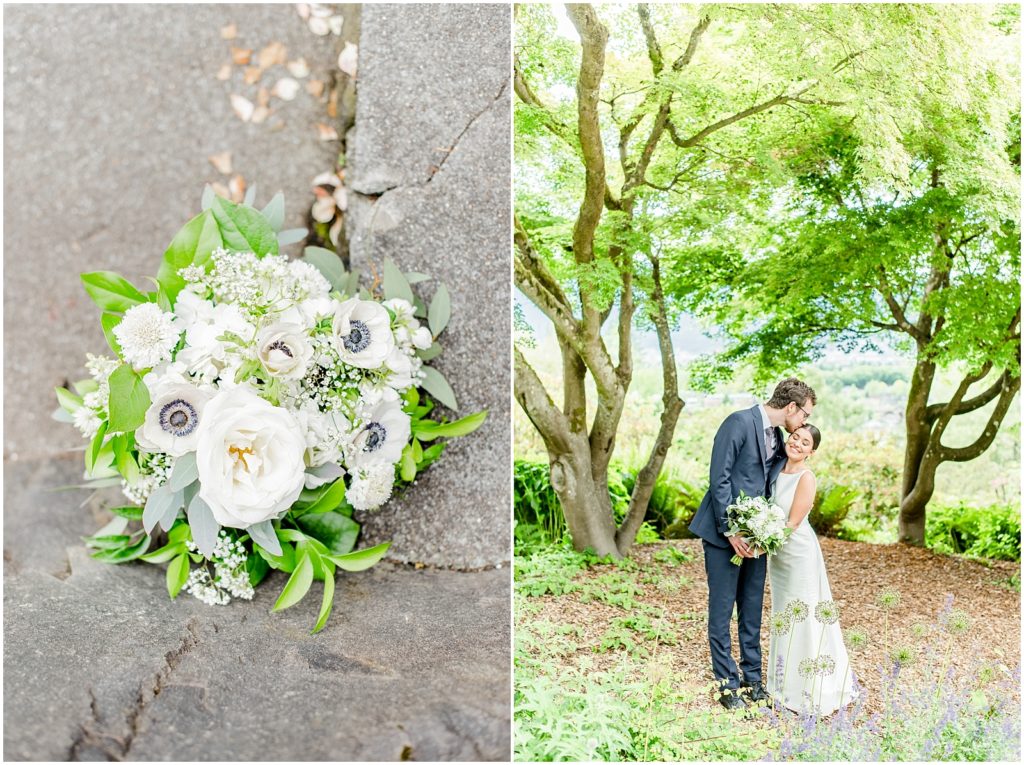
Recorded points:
162,500
415,277
321,474
185,472
420,307
274,211
60,415
264,535
395,285
353,284
430,353
327,263
250,196
435,384
116,526
204,527
291,236
365,294
208,195
440,310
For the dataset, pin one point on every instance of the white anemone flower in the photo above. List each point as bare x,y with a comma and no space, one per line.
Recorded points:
284,350
362,333
172,420
385,434
147,335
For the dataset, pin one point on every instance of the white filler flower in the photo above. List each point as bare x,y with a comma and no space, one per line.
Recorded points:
250,458
371,486
362,332
386,433
146,335
172,420
284,350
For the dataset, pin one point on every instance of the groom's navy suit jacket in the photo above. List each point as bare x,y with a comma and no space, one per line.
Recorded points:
738,464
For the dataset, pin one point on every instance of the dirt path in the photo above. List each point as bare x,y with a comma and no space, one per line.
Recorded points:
857,572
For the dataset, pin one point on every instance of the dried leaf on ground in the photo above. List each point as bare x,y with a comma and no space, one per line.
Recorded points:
229,32
243,107
315,88
326,179
319,26
326,132
286,88
335,230
263,97
274,53
348,59
335,23
260,114
298,68
224,73
237,188
332,103
303,10
241,56
341,198
220,190
323,210
252,75
221,161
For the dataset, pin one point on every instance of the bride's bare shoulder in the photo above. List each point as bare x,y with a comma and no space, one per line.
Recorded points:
807,477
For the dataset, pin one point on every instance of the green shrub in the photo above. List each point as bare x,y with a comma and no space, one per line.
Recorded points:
672,506
980,532
535,502
832,504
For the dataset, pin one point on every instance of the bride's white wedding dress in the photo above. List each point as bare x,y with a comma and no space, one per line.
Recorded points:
815,675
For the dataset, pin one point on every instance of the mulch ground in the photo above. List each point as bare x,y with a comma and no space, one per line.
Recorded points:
858,573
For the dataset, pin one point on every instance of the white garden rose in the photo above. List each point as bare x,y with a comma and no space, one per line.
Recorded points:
172,420
385,434
362,333
250,458
422,338
284,350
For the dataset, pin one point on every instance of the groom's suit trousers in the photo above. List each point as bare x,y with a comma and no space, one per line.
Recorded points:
744,586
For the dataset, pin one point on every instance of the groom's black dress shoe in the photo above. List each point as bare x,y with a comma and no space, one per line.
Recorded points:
755,691
731,699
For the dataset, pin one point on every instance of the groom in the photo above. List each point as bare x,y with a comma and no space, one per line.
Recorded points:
747,456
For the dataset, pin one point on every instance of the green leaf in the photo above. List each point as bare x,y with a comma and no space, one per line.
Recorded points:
263,534
297,586
129,512
395,285
428,431
415,277
338,532
327,263
108,542
68,401
185,471
85,386
329,500
161,507
125,554
129,399
284,562
180,532
244,229
257,568
431,455
435,384
407,468
192,245
291,236
177,575
430,353
274,211
108,321
165,553
361,559
417,450
110,291
92,454
327,604
440,310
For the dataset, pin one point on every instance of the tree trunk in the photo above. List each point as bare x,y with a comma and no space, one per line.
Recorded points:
918,428
585,502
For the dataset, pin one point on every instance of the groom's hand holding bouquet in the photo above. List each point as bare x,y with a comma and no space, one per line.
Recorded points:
759,523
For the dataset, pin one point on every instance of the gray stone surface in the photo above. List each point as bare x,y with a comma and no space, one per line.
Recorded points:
102,666
110,113
432,192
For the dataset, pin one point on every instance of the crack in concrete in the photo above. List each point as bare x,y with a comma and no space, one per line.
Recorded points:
90,738
458,138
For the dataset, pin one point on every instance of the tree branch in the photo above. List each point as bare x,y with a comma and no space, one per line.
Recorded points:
984,441
902,324
538,406
653,49
971,404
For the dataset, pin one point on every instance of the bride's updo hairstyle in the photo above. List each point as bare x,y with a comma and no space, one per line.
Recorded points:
815,434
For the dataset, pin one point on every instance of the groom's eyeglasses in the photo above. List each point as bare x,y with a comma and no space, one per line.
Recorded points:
807,415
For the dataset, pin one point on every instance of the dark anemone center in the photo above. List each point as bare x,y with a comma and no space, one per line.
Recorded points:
178,417
358,337
376,435
279,345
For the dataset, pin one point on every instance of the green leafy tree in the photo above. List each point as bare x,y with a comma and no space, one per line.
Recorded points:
927,259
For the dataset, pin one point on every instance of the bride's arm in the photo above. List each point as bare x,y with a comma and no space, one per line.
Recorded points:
803,500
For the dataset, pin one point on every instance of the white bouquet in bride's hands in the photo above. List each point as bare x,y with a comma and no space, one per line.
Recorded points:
761,523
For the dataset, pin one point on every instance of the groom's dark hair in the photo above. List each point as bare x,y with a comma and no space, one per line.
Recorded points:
791,391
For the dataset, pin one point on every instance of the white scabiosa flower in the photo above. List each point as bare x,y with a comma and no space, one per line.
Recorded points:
309,282
385,433
172,420
284,350
87,421
250,458
371,486
362,333
146,335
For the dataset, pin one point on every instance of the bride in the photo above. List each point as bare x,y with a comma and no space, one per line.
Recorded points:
808,667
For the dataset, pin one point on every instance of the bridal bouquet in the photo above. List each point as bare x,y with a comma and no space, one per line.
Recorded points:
254,403
759,522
